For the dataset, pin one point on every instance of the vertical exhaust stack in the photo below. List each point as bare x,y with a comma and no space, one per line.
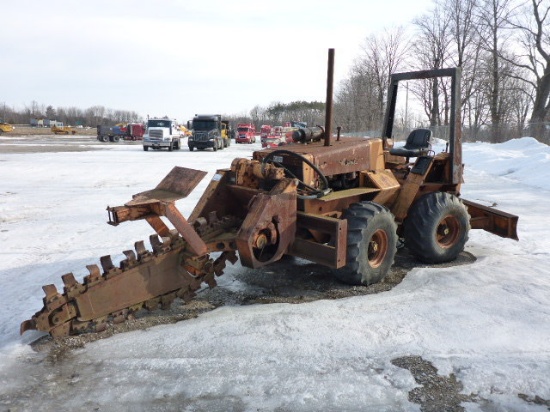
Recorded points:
328,108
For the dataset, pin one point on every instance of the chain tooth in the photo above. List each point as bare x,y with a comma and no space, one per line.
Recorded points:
130,255
130,260
120,316
80,327
94,276
53,298
166,300
50,291
72,286
140,249
106,263
109,269
61,330
69,280
100,324
152,304
157,244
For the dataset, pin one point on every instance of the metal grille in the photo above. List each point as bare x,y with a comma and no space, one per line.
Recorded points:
156,134
201,136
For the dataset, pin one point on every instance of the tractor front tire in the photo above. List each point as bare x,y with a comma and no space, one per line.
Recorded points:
436,228
372,244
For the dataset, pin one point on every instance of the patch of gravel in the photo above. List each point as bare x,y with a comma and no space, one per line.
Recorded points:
437,393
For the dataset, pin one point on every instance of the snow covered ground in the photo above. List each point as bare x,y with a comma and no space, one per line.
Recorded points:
488,323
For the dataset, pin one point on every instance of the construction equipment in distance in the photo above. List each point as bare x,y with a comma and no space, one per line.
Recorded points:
6,127
60,129
342,203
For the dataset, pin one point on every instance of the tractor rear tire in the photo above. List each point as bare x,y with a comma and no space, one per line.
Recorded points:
436,228
372,244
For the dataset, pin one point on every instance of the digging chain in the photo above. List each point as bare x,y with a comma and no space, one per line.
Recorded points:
168,262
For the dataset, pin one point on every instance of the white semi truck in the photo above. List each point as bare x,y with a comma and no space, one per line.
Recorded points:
162,133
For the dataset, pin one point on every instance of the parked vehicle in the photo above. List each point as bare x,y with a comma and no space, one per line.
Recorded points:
246,133
209,131
265,131
162,134
130,131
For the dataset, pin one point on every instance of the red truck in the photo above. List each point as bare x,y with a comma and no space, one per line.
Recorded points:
130,131
265,131
246,133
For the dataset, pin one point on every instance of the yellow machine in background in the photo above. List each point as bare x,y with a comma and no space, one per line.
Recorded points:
5,127
63,130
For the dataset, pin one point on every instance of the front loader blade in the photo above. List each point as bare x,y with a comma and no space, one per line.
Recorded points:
492,220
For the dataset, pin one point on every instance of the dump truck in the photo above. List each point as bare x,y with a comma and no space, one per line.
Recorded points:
209,131
341,202
128,131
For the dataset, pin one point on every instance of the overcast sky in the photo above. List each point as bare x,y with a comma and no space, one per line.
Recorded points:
178,58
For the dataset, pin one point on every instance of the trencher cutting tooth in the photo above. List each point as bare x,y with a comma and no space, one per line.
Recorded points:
94,277
141,250
158,245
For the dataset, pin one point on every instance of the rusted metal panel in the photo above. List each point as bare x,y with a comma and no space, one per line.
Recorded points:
269,226
336,201
216,198
347,155
177,184
195,243
492,220
410,189
385,181
138,285
331,253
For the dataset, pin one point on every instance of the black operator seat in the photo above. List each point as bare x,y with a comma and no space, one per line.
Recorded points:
417,144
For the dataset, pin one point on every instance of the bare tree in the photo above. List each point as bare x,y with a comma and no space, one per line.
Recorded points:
360,102
533,25
465,51
432,50
493,18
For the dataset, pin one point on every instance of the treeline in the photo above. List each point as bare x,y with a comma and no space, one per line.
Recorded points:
93,116
277,113
503,47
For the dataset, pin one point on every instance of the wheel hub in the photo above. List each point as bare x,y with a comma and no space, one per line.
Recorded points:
378,248
448,231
